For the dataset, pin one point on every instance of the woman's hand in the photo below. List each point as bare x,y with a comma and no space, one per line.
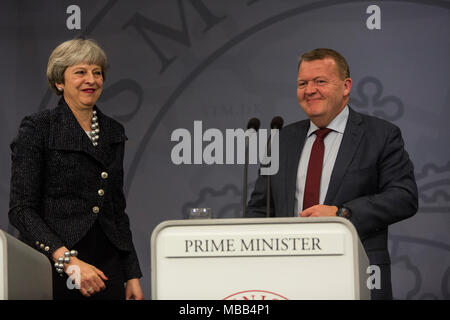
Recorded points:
133,290
90,278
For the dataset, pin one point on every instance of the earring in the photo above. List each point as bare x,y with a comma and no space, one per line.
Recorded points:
60,89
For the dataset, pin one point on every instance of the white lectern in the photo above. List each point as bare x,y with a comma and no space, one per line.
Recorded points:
25,273
262,258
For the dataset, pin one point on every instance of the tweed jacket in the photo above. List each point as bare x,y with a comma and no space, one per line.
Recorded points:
61,184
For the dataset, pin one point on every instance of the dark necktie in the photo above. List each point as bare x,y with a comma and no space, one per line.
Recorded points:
312,184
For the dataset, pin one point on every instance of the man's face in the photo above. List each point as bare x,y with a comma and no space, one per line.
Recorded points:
321,92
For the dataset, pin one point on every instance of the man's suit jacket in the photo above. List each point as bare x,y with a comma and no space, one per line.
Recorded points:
55,181
372,176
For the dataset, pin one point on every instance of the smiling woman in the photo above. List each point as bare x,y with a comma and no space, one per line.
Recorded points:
67,183
76,69
81,88
71,53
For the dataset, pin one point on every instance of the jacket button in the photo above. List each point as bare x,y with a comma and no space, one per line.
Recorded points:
101,192
42,246
47,248
104,175
95,209
37,243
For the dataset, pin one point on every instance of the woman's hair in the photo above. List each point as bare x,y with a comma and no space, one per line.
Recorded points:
70,53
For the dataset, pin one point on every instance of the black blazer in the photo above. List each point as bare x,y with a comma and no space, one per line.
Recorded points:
372,176
55,181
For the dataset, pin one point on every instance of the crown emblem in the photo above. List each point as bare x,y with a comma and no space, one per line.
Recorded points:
434,188
371,101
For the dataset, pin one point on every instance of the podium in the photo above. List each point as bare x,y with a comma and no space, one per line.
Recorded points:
25,274
258,259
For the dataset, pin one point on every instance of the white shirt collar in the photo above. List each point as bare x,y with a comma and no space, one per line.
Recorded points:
337,124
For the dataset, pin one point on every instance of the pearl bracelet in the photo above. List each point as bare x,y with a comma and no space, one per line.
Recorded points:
59,264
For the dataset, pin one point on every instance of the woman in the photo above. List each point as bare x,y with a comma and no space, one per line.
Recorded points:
67,196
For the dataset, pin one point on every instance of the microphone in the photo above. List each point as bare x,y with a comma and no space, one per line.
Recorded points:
276,123
254,124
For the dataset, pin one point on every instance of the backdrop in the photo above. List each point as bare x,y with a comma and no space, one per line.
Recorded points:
223,62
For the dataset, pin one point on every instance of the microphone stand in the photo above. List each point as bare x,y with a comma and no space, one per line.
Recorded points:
254,124
276,123
269,153
244,187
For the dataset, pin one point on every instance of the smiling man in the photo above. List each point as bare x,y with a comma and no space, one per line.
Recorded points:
340,163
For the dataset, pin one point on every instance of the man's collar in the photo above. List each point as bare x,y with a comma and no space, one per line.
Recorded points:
337,124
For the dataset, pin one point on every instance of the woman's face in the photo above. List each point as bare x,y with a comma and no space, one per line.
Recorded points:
82,85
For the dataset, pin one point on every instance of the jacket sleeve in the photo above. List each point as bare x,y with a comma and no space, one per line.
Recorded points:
129,259
27,178
396,197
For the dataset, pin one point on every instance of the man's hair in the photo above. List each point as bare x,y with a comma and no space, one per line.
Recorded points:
322,53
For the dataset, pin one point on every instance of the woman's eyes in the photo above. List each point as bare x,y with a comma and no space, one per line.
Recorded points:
82,72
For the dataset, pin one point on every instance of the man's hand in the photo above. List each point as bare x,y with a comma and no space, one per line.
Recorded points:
319,210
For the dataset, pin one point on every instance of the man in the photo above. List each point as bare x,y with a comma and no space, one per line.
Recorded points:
341,163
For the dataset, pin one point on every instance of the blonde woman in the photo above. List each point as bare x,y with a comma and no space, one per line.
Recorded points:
67,196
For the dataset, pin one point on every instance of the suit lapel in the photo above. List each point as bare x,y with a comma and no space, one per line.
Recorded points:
294,149
110,134
67,134
350,143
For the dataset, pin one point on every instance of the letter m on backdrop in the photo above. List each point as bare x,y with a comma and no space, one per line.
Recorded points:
145,26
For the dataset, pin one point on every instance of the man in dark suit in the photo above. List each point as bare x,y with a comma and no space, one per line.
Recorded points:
340,163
